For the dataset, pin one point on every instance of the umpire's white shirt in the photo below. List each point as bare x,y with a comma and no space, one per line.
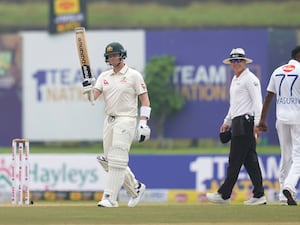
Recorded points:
245,97
285,83
120,91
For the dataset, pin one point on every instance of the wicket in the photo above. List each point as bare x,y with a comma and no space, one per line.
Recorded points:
20,172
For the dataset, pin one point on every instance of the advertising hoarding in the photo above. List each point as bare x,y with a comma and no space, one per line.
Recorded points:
82,173
53,106
201,76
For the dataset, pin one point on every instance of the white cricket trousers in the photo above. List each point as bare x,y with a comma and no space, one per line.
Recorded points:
118,135
289,139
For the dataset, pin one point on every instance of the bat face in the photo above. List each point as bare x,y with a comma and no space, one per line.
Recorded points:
83,52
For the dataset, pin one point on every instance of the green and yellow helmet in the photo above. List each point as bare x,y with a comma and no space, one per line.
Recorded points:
115,48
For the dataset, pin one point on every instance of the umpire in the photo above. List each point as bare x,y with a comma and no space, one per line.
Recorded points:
244,112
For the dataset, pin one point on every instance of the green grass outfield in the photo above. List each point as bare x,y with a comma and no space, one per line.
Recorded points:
145,148
82,213
110,14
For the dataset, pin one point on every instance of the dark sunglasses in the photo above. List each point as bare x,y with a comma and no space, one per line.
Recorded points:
236,60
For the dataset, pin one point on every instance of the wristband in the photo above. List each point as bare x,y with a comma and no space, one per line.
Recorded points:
145,111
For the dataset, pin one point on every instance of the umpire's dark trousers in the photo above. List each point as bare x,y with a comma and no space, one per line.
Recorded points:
242,152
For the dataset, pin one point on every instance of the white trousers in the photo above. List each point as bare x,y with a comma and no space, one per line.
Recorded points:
118,135
289,139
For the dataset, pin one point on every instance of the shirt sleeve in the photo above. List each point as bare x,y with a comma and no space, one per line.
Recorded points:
254,89
140,85
99,83
271,85
227,119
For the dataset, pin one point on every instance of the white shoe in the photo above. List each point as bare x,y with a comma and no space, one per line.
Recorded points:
283,202
291,200
140,192
256,201
217,198
107,203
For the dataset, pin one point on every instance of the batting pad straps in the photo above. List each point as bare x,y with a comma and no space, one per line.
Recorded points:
145,111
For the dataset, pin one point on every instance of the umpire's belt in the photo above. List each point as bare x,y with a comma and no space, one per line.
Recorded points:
247,117
242,125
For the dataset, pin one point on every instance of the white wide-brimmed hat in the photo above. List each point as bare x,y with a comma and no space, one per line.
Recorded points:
237,53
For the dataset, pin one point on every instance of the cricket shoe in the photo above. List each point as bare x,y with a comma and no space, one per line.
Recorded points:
283,202
217,198
256,201
107,203
140,192
290,196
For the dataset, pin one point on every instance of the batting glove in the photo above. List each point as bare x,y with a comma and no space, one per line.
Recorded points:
143,131
88,85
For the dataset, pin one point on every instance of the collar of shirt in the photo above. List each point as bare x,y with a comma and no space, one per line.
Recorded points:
294,62
242,74
121,72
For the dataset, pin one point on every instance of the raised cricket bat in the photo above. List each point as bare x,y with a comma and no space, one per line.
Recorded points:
83,55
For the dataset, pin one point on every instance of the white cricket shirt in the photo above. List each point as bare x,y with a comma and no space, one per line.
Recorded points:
245,97
121,90
285,83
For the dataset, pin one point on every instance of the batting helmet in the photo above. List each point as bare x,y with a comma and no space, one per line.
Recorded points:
115,48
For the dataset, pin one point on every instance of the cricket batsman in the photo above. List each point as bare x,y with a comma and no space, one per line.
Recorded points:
121,87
